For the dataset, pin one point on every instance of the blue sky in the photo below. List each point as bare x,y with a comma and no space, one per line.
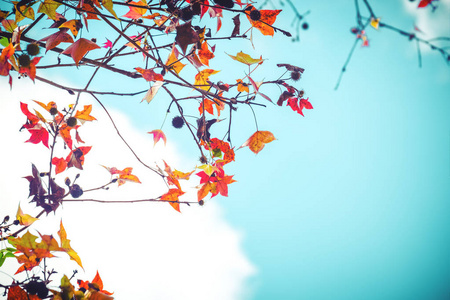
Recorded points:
352,200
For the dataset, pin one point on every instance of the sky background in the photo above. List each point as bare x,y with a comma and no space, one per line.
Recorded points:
350,202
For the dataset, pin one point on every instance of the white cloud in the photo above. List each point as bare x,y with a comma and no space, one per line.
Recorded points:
142,250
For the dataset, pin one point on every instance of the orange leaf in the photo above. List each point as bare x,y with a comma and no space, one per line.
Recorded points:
60,164
268,17
172,195
149,74
136,12
258,140
73,25
17,293
79,49
172,61
204,54
242,87
208,104
84,115
47,106
157,135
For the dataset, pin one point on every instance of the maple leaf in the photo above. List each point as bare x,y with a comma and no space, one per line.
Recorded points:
173,62
56,38
85,114
64,132
237,25
157,135
23,11
202,77
35,187
424,3
136,12
47,106
207,105
258,140
256,88
220,148
31,118
108,44
76,157
38,134
49,7
151,93
298,107
242,87
65,245
73,25
204,54
30,70
17,293
375,23
186,36
124,175
173,176
215,183
149,74
246,59
171,196
6,55
79,49
24,219
108,4
60,164
97,282
267,18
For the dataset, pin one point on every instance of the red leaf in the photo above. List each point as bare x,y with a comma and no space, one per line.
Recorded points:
157,135
60,164
149,74
38,134
55,39
79,49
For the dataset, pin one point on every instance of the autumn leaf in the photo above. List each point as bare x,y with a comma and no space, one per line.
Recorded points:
76,157
215,183
31,118
149,74
23,11
136,12
157,135
173,176
79,49
5,66
47,106
299,105
207,105
56,38
97,283
258,140
237,26
108,44
17,293
49,7
186,36
108,4
256,88
375,23
246,59
123,175
60,164
30,70
267,18
173,62
38,134
151,93
64,133
202,77
73,25
242,87
171,196
222,150
25,219
65,245
204,54
85,114
424,3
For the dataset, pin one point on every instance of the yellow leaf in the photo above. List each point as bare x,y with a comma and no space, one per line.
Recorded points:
108,4
25,219
375,23
202,77
84,115
173,63
73,25
246,59
258,140
49,7
208,169
65,245
27,12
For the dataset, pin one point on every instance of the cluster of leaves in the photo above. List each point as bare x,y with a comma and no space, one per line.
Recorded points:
165,29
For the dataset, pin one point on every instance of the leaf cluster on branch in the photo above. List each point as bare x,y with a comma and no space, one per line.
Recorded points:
171,52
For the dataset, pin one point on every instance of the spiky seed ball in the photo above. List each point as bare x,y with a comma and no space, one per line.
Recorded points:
201,202
295,75
305,26
76,191
255,15
33,49
177,122
53,111
186,13
24,60
203,159
72,121
225,3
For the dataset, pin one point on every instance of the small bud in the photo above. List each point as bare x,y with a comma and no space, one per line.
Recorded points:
67,181
5,219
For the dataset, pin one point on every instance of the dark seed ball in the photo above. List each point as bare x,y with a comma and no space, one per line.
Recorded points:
177,122
186,13
24,60
54,111
295,75
255,15
33,49
76,191
72,121
305,26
